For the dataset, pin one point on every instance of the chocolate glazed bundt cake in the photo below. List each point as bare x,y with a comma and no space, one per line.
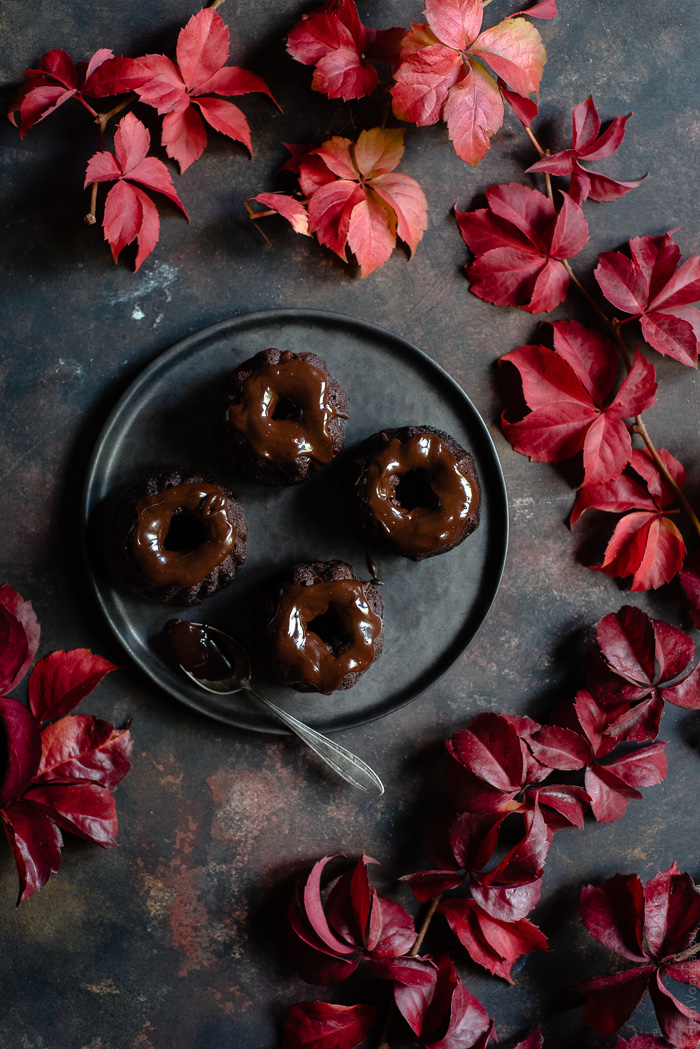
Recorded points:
323,627
178,537
415,490
283,417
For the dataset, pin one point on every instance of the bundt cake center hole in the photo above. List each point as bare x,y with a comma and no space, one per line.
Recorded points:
185,533
330,629
414,490
286,409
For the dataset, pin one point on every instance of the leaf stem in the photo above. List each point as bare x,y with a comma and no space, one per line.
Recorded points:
543,153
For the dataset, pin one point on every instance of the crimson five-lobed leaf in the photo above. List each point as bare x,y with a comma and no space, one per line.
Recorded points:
646,543
129,212
654,289
651,926
442,76
589,144
342,50
332,933
520,242
174,89
59,78
566,389
355,198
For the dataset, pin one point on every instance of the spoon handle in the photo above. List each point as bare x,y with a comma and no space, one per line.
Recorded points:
345,763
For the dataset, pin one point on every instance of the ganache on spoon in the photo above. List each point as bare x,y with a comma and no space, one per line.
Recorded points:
220,664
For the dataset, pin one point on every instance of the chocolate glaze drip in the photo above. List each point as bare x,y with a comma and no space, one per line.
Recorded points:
200,651
301,655
207,505
422,528
305,432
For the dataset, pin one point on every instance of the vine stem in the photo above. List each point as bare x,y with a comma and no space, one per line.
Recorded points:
383,1042
614,324
102,119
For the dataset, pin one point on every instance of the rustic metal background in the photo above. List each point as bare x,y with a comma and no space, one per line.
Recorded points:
173,939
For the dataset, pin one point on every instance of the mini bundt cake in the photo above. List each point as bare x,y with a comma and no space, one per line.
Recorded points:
283,417
323,627
415,490
178,537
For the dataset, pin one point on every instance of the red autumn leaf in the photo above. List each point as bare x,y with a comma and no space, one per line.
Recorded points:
690,581
589,144
440,75
200,72
288,207
82,748
565,389
534,1041
320,1025
654,658
525,861
651,287
330,936
494,944
519,242
525,109
21,749
614,913
36,844
342,50
667,911
646,542
60,680
443,1014
507,903
364,203
129,213
19,638
85,809
492,767
613,785
58,78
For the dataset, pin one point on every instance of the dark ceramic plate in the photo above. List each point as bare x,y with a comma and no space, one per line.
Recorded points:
433,609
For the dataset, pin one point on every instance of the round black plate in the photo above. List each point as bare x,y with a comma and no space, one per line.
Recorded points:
433,609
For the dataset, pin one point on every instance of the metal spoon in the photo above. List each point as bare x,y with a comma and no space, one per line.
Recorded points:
220,664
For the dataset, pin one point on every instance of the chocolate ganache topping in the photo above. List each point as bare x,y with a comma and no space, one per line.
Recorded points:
206,506
285,411
443,495
301,655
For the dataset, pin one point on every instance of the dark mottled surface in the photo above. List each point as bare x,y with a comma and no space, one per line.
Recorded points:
172,940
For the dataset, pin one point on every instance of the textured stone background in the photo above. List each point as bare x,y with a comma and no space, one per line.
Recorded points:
173,939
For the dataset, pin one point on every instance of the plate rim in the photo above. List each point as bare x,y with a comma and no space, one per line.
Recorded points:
203,335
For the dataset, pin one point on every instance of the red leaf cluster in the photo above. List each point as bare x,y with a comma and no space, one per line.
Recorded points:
61,776
589,144
337,927
656,291
566,390
129,212
59,78
442,75
355,199
520,242
200,74
652,926
646,543
342,50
